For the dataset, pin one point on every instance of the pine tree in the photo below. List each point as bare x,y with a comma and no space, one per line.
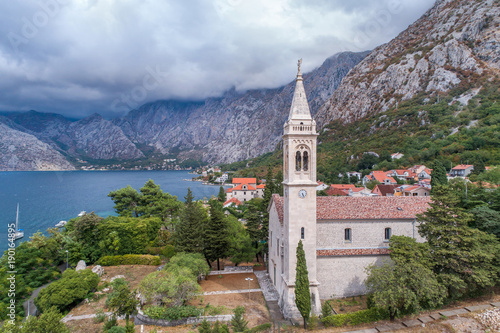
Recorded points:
479,166
279,183
238,323
302,292
438,175
222,195
190,230
216,234
463,258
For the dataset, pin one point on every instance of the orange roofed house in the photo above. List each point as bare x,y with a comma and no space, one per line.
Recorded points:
383,177
245,189
461,170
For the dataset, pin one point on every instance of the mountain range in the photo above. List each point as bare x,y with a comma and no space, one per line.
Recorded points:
452,50
233,127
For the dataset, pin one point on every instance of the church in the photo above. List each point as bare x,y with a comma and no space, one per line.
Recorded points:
341,235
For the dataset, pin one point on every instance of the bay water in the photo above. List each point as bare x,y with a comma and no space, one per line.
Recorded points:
47,197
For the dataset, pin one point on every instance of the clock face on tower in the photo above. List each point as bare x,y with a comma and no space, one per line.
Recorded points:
302,194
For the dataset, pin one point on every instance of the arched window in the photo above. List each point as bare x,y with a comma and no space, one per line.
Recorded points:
305,162
387,234
347,235
298,161
302,233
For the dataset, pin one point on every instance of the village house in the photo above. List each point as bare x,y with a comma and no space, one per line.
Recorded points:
402,174
359,175
461,170
382,177
396,156
425,174
341,235
321,186
245,189
412,191
384,190
417,169
232,202
222,179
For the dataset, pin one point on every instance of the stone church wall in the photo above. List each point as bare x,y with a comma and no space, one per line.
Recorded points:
343,276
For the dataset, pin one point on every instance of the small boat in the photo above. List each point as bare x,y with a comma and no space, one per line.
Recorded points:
82,213
19,232
61,224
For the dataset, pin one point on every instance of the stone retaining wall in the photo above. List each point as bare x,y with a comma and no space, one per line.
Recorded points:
142,319
233,270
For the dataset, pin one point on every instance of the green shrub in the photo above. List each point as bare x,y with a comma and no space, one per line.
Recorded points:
100,316
326,310
117,329
172,313
68,291
110,323
354,318
130,259
260,328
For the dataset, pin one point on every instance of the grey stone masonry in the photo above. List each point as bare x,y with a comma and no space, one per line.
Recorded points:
425,319
453,313
411,323
268,289
478,307
389,327
435,316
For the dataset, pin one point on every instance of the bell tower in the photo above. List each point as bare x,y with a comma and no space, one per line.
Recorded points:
299,202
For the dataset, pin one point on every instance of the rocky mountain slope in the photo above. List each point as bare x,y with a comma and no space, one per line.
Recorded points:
450,47
237,125
90,138
21,151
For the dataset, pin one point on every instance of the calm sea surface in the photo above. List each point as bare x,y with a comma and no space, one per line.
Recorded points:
46,198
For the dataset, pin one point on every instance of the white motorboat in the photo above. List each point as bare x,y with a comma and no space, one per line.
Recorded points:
61,224
19,232
82,213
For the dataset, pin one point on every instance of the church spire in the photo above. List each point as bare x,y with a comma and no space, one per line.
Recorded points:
300,107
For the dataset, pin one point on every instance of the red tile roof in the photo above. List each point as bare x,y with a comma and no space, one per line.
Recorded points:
428,171
244,180
411,188
240,187
380,176
342,186
232,200
278,201
364,208
462,167
337,191
385,189
261,186
357,189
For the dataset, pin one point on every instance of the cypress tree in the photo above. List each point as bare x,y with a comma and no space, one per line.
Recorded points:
216,234
222,195
302,292
438,175
189,232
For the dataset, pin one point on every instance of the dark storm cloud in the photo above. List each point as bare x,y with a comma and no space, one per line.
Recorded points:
84,56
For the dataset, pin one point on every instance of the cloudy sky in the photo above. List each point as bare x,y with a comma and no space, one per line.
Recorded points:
77,57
